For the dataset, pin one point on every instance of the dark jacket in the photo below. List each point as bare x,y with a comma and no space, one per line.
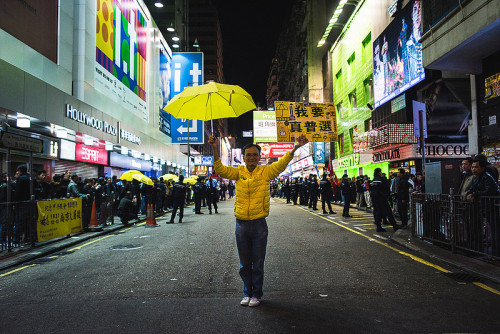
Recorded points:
380,188
346,188
325,188
484,185
126,206
404,190
179,191
22,188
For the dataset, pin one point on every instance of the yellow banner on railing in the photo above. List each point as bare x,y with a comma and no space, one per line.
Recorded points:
57,218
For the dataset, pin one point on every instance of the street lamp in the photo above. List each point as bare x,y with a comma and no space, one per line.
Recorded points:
159,4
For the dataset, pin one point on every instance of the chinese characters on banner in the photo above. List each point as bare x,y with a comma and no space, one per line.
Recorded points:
58,218
317,121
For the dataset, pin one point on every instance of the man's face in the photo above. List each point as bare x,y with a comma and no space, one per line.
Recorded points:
251,156
477,169
42,176
466,166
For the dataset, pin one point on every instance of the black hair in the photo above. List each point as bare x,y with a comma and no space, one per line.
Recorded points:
481,162
22,168
377,171
41,172
181,178
251,145
470,160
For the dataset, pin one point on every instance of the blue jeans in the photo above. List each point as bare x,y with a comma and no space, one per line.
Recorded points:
251,240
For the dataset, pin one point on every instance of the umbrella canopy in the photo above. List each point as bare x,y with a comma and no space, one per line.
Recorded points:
169,177
143,178
127,176
190,181
210,101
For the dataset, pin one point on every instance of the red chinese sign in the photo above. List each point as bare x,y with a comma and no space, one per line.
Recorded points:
275,150
91,154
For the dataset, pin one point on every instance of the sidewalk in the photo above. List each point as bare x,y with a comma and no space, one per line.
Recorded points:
20,256
468,264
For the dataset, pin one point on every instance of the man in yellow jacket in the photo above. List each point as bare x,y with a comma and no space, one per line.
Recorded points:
251,207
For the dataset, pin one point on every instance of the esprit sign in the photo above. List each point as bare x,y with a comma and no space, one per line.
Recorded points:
446,150
91,121
349,161
386,155
91,154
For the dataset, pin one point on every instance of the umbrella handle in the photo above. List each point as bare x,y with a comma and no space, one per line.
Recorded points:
230,96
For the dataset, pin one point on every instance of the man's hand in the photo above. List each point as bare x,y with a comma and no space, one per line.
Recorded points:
301,141
212,141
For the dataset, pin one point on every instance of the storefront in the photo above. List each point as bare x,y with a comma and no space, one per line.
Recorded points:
409,157
357,164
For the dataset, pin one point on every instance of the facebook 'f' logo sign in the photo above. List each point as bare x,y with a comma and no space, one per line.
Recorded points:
187,69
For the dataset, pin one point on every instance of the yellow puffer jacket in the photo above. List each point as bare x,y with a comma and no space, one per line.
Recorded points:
252,189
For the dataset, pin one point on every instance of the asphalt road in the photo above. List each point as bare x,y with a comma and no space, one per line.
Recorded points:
324,274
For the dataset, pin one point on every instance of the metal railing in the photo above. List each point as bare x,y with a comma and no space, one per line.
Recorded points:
454,221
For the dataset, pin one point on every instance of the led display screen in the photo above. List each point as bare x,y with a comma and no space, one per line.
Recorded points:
397,55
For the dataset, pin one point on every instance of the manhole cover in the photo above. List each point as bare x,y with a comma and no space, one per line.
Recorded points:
125,247
463,277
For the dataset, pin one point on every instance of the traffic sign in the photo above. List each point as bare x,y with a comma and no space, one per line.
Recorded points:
187,70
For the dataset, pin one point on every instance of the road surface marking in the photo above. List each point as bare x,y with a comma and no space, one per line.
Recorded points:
18,269
411,256
380,237
359,228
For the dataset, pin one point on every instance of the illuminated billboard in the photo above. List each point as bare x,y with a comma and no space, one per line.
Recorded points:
397,55
121,45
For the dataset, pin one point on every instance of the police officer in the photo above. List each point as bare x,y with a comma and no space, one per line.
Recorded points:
326,194
199,191
179,196
313,192
212,194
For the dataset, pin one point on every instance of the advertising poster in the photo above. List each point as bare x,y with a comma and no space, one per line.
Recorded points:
165,78
319,152
275,150
264,126
58,218
236,157
397,55
492,86
317,121
121,59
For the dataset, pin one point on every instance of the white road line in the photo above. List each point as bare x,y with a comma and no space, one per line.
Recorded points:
380,237
357,228
343,222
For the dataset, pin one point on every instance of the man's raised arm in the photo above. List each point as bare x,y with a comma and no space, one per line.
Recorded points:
215,147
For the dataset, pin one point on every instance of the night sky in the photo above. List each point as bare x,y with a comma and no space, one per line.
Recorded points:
250,30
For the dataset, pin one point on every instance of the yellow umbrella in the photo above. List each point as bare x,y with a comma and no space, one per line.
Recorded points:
191,181
210,101
169,176
127,176
143,178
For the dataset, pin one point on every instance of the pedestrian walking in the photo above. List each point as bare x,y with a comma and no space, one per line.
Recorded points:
251,207
179,196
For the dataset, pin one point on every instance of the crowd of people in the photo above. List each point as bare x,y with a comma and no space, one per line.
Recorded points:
111,197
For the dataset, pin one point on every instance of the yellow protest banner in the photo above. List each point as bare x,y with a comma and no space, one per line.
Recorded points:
317,121
57,218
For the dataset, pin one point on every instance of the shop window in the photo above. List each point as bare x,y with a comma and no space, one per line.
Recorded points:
368,124
368,86
341,143
338,82
351,136
350,66
353,101
367,48
340,111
